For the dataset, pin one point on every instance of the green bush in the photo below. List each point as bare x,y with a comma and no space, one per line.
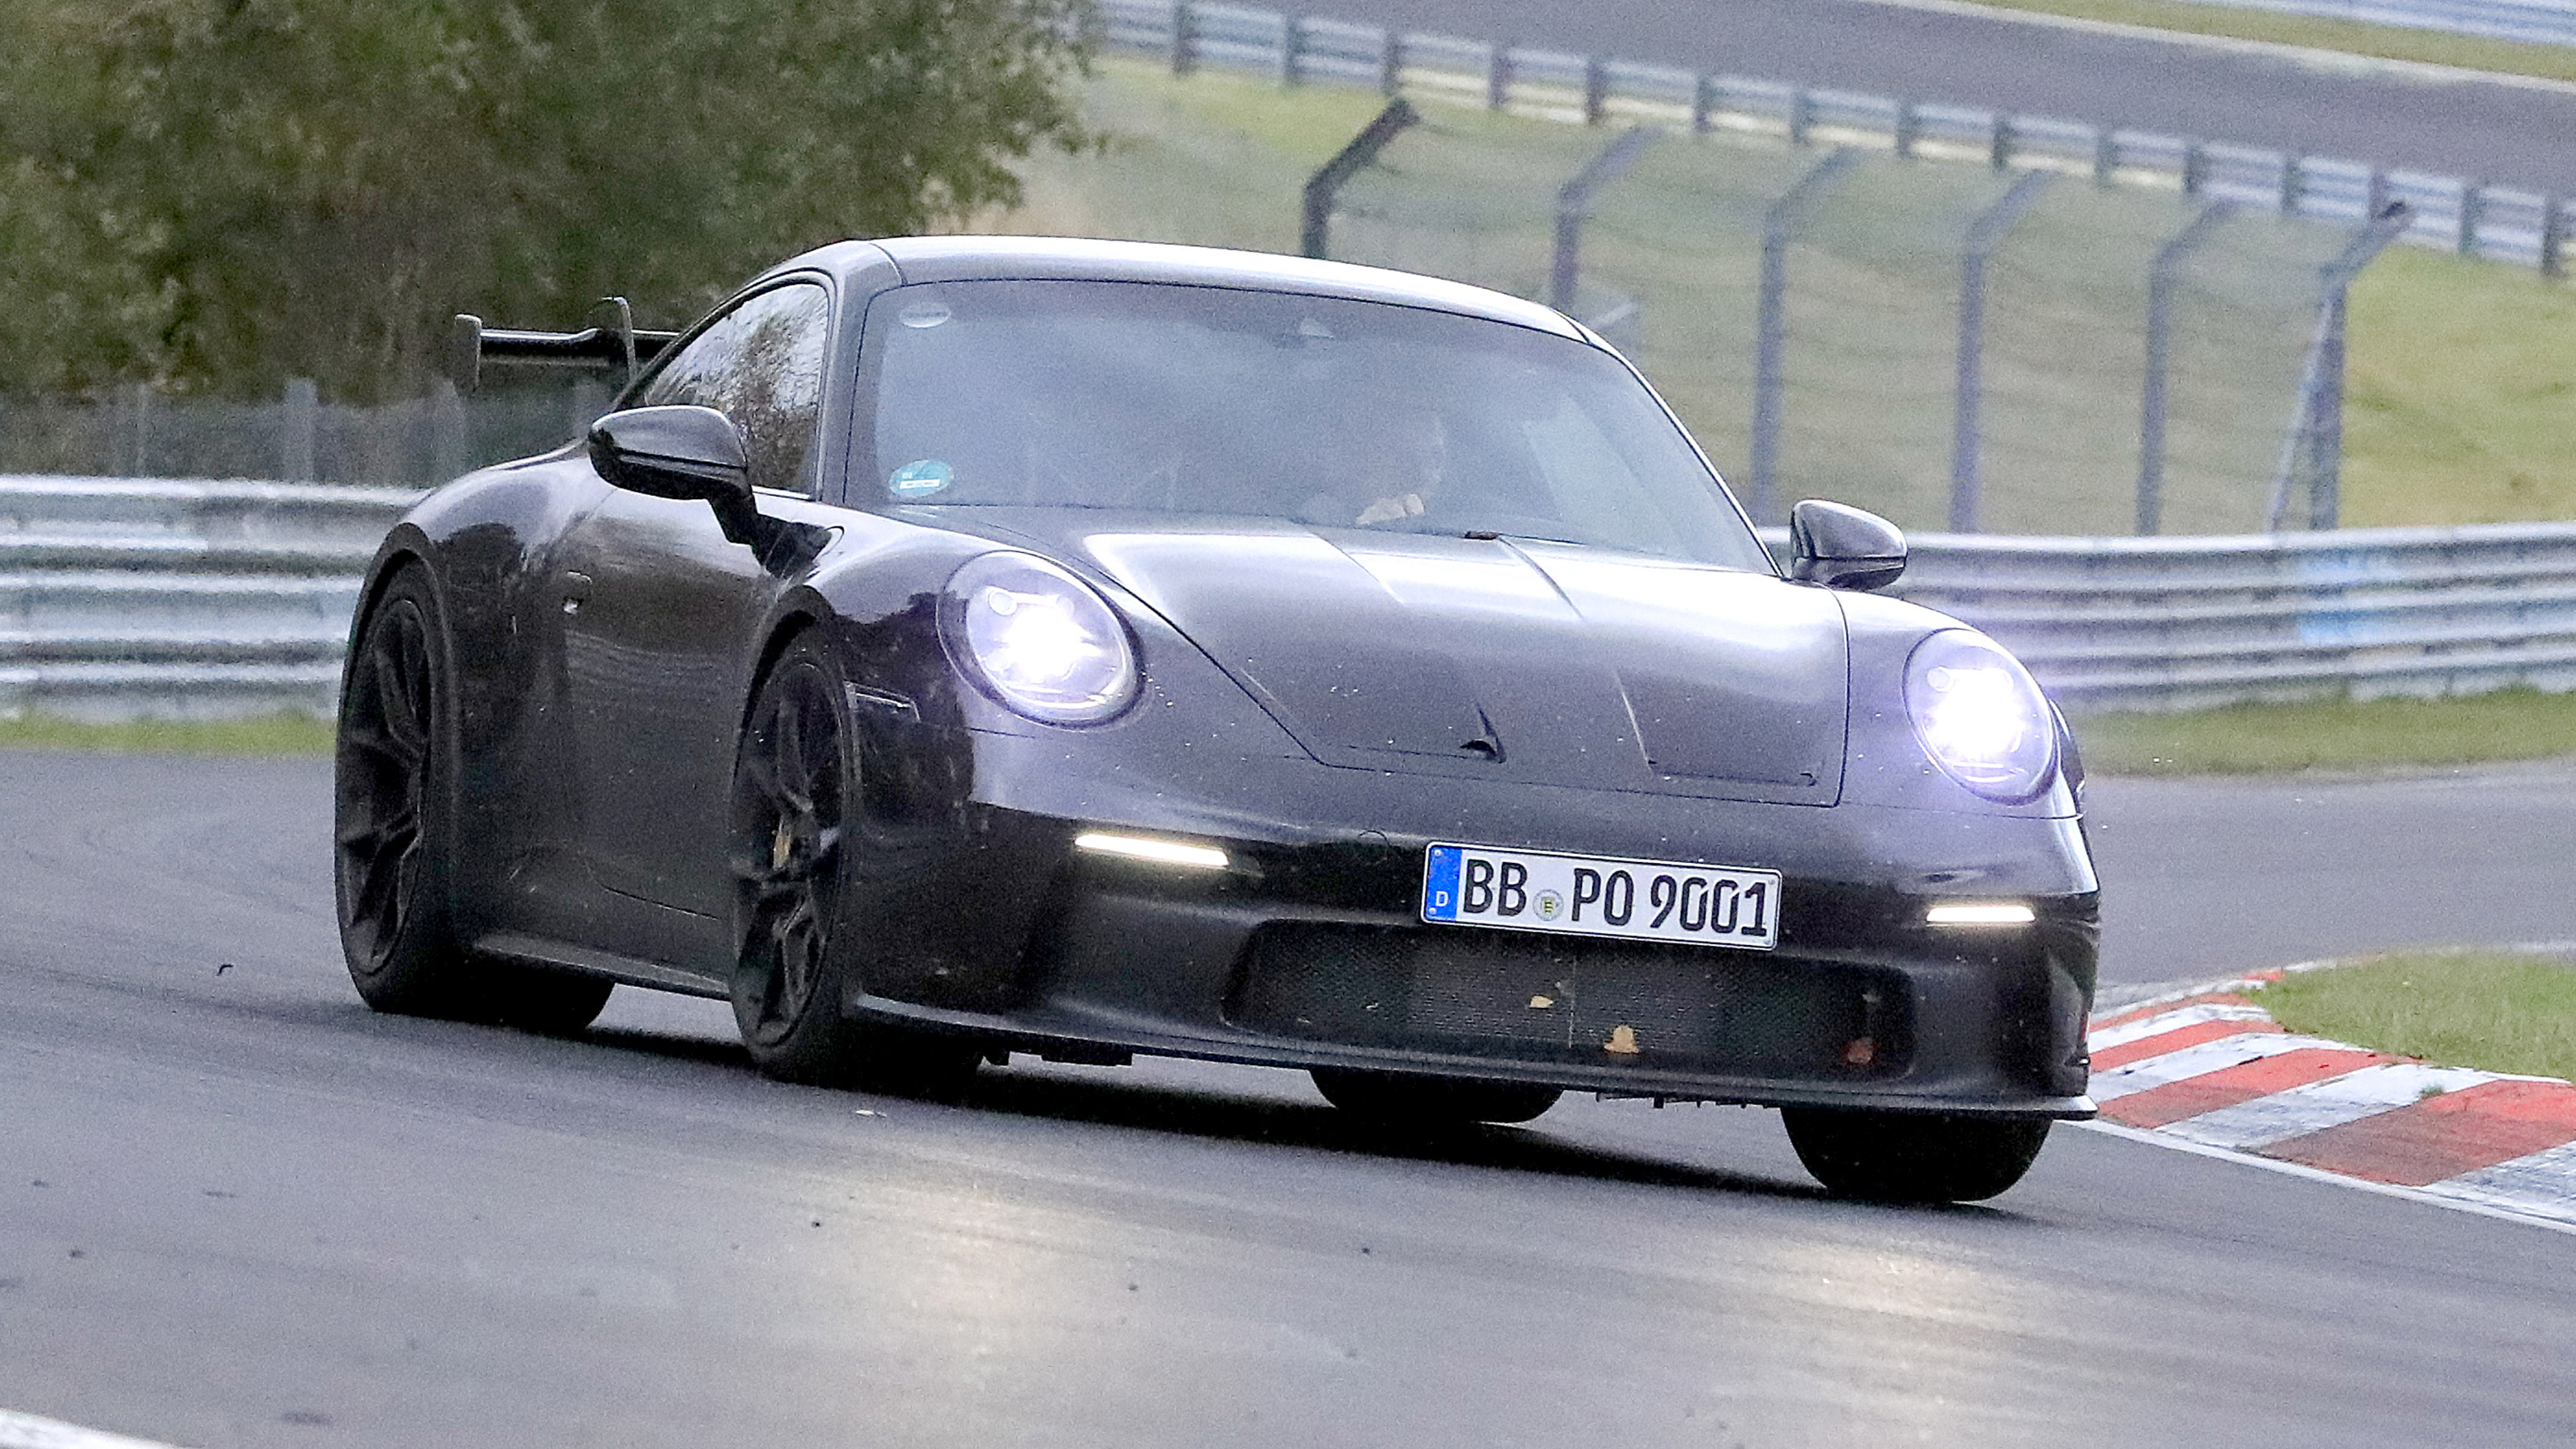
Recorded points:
221,194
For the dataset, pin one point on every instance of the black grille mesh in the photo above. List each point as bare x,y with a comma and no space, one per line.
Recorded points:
1556,998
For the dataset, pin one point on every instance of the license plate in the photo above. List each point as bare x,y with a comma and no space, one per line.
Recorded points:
1585,895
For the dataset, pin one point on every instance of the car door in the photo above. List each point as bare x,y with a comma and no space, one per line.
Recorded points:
661,618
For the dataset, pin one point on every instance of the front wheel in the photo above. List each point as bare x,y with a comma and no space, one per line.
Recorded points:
1394,1100
795,802
1913,1156
551,1003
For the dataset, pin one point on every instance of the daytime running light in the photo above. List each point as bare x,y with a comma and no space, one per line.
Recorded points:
1161,852
1980,913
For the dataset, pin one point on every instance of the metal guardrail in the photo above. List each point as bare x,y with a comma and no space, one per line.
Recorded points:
2179,623
2545,22
2453,213
126,597
2190,623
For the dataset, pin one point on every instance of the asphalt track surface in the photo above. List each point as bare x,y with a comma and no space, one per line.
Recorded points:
2204,878
236,1208
2508,134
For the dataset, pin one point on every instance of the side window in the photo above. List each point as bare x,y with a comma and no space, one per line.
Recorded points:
761,365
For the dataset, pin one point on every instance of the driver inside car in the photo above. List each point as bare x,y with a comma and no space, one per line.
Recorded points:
1392,457
1402,463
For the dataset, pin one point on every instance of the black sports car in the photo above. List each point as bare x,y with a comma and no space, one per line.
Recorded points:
959,647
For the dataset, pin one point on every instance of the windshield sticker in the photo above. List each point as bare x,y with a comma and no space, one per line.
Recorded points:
924,314
920,479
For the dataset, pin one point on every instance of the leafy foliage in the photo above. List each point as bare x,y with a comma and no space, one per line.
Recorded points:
219,194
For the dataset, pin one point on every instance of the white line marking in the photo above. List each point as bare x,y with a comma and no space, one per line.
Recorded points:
2331,1102
2233,985
2164,1022
2331,62
2242,984
2543,1183
27,1431
2293,1169
2200,1060
2538,1189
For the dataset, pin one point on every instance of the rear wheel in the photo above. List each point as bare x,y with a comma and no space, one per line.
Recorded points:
795,797
1913,1156
391,837
389,864
1396,1100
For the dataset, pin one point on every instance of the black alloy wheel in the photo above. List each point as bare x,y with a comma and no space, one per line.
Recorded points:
391,837
1913,1157
389,867
796,799
1391,1099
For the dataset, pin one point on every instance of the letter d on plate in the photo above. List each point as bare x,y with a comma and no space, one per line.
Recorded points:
1440,884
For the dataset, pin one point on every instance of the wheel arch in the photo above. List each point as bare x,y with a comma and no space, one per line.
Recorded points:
799,618
402,549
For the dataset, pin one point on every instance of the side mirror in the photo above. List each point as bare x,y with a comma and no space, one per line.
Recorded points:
688,453
1843,548
675,452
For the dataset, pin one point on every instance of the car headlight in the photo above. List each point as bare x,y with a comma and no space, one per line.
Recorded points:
1981,716
1038,639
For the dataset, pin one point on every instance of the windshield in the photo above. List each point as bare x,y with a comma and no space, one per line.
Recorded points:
1333,413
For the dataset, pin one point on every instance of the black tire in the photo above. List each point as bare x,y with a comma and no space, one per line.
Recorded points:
550,1003
796,798
393,837
1913,1156
390,779
1392,1099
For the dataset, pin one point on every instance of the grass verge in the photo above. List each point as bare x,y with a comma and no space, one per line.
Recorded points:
2460,394
279,734
2250,739
2498,1011
2354,37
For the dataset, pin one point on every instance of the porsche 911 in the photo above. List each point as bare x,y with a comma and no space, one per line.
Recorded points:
960,647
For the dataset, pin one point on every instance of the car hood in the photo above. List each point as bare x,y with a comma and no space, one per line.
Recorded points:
1543,662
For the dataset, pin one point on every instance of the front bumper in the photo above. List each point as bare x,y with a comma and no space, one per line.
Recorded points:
1308,950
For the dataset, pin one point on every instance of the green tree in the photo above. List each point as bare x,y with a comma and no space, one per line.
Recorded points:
219,194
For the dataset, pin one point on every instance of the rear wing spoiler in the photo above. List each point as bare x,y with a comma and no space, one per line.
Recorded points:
615,347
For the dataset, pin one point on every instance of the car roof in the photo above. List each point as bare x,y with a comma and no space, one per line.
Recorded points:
977,258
